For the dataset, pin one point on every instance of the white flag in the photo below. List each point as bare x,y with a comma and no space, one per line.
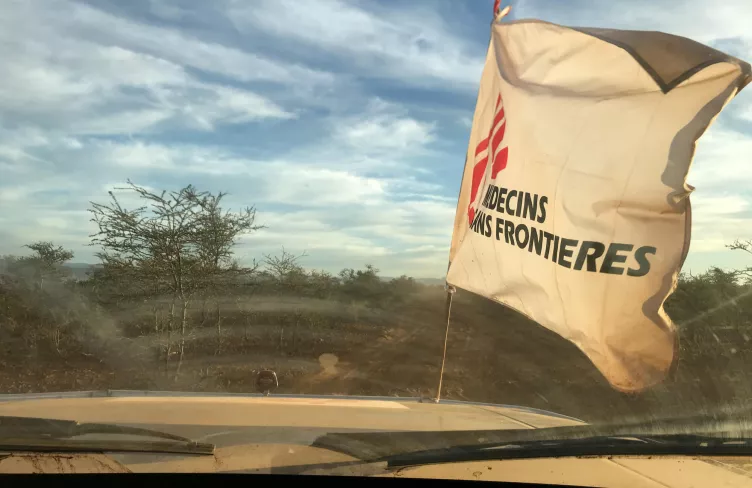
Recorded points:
574,208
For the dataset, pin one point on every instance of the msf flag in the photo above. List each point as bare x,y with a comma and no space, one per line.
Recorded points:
574,208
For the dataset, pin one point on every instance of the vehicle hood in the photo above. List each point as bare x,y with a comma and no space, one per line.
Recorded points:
336,413
288,434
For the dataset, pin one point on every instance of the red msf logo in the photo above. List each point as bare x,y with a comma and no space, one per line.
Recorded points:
484,154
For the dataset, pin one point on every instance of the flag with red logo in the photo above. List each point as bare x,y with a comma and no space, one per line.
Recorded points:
574,208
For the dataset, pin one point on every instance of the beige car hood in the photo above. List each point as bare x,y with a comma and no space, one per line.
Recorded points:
335,412
275,435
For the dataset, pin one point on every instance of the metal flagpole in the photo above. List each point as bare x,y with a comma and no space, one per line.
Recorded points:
498,14
448,309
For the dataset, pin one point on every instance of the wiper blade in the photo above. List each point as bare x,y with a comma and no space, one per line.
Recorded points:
673,444
35,427
381,445
87,445
30,433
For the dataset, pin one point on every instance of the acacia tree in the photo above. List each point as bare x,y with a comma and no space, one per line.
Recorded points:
285,270
363,284
746,246
46,261
178,243
30,306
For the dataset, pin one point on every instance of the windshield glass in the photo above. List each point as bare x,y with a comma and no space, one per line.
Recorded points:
196,192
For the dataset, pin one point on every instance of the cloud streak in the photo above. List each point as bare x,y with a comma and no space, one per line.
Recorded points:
414,46
75,69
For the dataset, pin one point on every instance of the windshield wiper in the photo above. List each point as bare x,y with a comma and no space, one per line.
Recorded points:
666,444
41,434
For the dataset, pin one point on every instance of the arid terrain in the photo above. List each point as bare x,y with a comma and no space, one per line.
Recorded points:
392,346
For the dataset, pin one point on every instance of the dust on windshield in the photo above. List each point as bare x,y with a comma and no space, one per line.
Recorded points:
194,193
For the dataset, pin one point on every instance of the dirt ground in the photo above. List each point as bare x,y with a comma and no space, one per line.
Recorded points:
494,355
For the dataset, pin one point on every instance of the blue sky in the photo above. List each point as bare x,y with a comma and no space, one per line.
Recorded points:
344,122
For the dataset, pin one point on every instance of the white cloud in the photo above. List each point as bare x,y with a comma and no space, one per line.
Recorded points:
297,184
138,154
721,201
745,113
282,180
398,237
203,106
384,127
123,122
71,68
722,161
411,45
719,219
385,132
272,239
167,11
63,18
717,206
51,223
